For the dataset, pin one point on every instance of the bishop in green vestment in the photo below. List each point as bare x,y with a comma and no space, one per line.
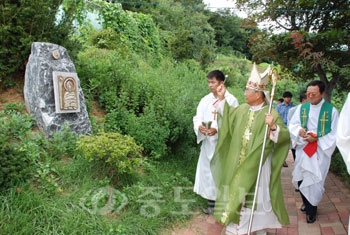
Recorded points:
236,161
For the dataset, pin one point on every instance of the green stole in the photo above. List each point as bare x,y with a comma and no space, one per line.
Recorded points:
324,125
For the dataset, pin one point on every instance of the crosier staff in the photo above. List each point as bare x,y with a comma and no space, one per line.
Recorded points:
273,76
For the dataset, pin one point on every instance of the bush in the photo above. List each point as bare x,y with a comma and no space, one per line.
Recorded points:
119,152
338,167
28,155
62,143
15,165
154,105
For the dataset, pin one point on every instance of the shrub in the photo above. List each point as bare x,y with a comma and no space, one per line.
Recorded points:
139,99
338,167
14,163
152,130
62,143
119,152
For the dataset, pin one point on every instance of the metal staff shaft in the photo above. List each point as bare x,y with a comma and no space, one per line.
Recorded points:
273,75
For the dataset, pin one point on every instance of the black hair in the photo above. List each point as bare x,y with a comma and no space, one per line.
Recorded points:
287,94
302,96
280,100
220,76
319,83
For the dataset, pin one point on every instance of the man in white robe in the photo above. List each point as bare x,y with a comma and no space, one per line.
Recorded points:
206,129
313,130
343,135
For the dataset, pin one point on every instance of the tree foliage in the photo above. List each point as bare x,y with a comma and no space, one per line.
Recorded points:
14,163
24,22
178,29
183,24
137,31
231,34
315,40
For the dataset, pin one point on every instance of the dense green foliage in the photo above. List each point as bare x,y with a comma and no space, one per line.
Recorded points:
231,34
184,26
136,30
339,168
25,154
87,204
15,165
55,190
139,98
120,153
314,42
25,22
146,68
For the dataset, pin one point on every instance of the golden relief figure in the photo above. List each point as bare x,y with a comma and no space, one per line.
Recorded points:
68,93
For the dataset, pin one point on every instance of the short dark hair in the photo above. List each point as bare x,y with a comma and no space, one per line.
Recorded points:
220,76
302,96
319,83
280,100
287,94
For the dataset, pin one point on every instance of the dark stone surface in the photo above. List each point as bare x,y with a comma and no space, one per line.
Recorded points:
39,90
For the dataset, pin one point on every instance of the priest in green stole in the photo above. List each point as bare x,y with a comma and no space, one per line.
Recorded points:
313,130
235,163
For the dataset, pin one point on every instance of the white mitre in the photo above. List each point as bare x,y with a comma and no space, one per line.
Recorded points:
259,81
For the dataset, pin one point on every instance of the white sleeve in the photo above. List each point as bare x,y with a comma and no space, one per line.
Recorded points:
343,133
231,100
219,106
274,134
294,127
197,121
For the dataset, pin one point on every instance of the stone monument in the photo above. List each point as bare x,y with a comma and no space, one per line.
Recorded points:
52,90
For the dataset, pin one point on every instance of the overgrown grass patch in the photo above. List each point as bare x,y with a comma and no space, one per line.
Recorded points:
86,204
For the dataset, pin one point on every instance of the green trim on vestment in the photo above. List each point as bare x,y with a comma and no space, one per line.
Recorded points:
236,181
324,125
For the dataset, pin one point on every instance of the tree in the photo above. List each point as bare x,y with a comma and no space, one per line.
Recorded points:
229,33
315,39
183,24
24,22
136,30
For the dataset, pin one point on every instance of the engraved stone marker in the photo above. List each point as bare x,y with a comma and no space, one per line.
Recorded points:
52,90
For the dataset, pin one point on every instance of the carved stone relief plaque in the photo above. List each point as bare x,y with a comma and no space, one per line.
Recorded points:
66,92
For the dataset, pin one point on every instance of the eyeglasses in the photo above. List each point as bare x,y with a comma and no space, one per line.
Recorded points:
312,94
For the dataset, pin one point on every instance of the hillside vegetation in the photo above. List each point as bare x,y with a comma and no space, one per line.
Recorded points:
142,78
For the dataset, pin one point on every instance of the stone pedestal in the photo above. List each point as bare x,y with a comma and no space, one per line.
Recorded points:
45,60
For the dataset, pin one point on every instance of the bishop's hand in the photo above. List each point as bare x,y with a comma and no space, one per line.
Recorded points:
221,90
269,120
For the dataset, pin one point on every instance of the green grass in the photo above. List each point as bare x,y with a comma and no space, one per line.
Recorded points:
78,205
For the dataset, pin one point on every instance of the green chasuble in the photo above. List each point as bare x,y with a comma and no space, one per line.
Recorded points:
236,159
